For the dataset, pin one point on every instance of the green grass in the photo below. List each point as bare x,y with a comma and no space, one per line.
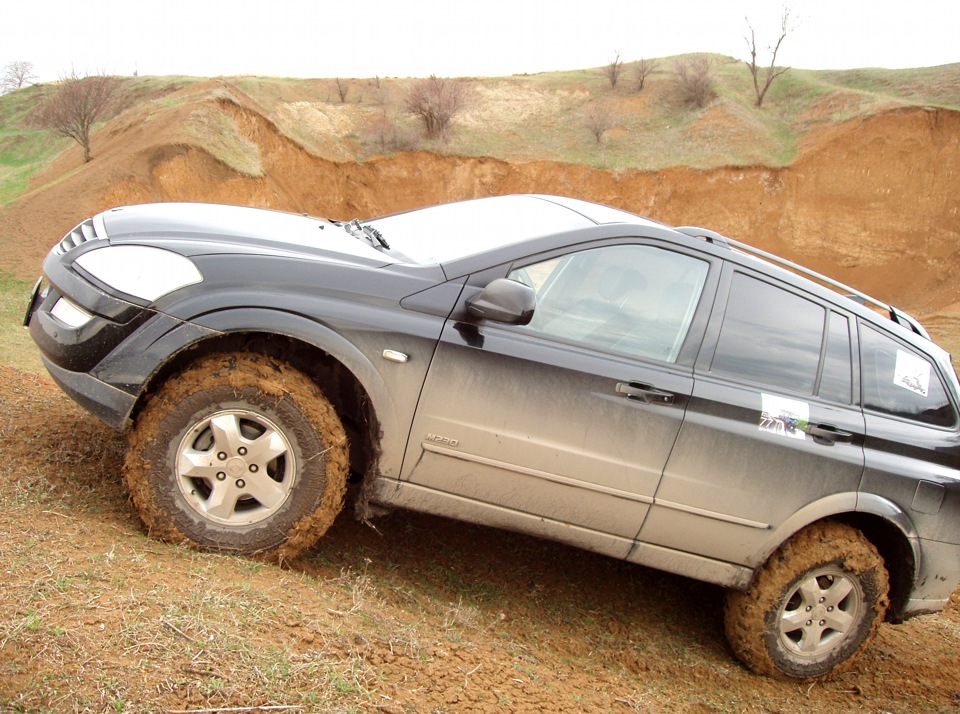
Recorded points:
16,347
24,148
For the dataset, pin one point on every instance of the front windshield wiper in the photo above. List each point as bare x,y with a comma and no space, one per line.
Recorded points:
366,233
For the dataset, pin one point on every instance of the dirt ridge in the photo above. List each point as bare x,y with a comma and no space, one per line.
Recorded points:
871,200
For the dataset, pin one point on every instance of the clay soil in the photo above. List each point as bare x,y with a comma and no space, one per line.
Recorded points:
421,614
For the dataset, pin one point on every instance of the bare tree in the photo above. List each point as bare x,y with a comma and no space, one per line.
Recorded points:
613,70
694,80
16,75
435,101
772,71
77,105
599,118
642,69
343,89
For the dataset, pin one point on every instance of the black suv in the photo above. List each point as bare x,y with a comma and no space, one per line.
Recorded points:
660,395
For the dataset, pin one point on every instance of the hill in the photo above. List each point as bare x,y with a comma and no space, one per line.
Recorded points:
853,172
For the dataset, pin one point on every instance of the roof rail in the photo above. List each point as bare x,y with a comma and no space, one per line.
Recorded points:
896,315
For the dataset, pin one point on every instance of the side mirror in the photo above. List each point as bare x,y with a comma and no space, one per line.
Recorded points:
504,301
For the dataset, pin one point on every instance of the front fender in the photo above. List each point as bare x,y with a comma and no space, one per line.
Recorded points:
137,361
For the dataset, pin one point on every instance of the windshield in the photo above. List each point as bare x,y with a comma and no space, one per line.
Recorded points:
454,230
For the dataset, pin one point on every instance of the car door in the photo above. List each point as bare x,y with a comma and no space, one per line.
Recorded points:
563,426
772,431
912,450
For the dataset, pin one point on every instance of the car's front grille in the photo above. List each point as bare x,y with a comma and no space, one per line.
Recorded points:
78,236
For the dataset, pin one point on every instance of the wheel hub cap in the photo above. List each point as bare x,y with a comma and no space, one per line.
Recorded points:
823,609
235,467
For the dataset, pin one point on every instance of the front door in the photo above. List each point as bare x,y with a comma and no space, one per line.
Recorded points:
569,420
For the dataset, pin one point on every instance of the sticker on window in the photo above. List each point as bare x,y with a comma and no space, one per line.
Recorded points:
912,373
784,417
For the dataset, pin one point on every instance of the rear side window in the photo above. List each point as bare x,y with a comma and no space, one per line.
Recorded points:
901,382
770,336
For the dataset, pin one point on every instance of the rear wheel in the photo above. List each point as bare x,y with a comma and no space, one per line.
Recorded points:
238,453
812,607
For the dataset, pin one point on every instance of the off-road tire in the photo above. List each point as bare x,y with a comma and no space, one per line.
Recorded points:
786,626
248,394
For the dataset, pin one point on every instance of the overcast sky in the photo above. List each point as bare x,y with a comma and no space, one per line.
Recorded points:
397,38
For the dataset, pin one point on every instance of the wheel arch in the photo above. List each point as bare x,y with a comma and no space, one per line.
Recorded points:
342,371
884,524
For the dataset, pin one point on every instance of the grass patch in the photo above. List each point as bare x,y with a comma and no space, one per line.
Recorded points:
24,148
16,347
217,131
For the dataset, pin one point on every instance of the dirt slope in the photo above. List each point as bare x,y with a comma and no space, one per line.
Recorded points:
423,615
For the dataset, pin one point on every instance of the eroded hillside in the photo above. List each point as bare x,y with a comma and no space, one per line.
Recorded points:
871,200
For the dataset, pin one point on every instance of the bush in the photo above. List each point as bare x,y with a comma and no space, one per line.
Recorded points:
435,101
694,81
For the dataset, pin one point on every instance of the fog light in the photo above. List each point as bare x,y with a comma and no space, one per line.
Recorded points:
70,314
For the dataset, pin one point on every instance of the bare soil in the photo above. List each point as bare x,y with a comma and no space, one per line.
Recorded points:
422,614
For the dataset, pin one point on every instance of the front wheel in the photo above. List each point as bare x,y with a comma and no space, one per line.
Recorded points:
238,453
812,607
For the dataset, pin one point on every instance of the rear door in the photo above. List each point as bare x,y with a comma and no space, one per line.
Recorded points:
772,428
568,420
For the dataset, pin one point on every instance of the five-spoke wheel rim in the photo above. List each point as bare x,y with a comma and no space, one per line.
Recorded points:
822,610
235,467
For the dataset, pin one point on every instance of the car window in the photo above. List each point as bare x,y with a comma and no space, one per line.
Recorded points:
770,336
901,382
636,299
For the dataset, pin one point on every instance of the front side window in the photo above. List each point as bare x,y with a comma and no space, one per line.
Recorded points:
770,336
901,382
635,299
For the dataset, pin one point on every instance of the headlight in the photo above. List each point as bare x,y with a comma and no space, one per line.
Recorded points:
141,271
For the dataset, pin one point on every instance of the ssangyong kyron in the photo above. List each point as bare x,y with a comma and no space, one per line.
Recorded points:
662,395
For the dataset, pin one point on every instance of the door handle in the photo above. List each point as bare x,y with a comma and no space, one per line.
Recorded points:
828,434
644,393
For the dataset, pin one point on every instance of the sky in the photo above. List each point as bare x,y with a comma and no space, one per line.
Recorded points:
452,38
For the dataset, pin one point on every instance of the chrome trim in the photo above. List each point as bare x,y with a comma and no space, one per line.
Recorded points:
82,233
555,478
723,517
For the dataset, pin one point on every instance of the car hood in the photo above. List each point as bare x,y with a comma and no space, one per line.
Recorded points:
196,229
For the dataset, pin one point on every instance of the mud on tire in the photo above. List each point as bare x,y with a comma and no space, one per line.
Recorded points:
813,607
238,453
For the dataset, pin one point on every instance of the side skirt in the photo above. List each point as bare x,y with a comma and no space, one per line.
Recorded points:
403,494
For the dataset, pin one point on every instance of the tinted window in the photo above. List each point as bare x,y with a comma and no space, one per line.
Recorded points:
636,299
901,382
770,336
835,382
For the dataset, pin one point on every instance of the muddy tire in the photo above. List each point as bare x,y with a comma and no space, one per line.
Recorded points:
238,453
813,606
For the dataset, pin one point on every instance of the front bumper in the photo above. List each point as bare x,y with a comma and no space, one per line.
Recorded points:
106,402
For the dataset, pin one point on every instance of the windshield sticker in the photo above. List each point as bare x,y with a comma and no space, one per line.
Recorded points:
912,373
784,417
